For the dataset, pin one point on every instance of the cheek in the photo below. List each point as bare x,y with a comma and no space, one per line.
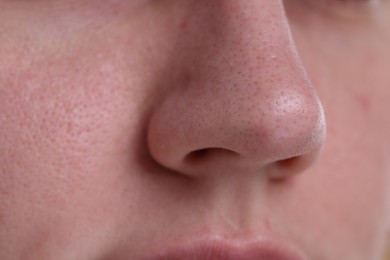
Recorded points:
346,194
348,189
61,129
358,159
52,119
70,127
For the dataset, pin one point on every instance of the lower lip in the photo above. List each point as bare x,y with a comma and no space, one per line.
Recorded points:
224,250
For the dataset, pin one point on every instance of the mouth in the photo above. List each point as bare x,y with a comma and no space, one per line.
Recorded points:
220,249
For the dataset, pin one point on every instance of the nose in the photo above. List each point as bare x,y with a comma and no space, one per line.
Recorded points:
241,99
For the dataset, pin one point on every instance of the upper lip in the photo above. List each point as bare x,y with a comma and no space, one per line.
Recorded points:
220,249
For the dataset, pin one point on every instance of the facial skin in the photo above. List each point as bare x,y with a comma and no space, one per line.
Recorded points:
129,127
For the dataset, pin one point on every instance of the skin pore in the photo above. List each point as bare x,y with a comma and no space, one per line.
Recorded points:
128,127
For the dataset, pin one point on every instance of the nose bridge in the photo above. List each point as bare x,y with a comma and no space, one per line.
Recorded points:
236,33
241,48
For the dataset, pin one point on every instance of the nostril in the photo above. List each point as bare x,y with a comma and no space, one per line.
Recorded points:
283,169
198,155
289,162
206,153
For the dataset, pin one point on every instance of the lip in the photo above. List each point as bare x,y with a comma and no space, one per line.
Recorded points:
220,249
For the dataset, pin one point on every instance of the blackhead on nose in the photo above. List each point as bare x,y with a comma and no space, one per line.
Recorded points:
242,100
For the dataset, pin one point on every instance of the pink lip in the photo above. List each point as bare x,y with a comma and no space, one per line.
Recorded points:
219,249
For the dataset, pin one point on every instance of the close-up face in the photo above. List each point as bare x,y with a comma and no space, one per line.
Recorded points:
194,129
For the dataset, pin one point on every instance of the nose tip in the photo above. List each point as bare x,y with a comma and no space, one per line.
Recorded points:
246,103
294,133
280,134
293,125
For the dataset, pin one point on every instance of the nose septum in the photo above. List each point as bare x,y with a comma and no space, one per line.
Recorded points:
248,105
